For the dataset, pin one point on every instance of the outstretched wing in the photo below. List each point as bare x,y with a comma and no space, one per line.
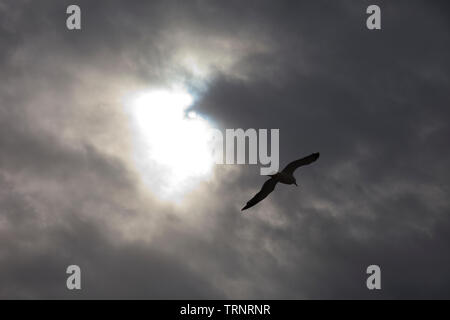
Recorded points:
290,168
267,188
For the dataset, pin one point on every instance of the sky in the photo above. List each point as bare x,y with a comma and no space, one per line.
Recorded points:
75,189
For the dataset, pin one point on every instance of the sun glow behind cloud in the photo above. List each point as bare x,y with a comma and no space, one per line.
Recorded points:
172,147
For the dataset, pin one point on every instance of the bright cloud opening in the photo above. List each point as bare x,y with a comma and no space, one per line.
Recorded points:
172,146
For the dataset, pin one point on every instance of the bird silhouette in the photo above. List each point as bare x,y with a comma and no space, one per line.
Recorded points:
286,176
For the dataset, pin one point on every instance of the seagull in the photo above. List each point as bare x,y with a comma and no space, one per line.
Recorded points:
286,176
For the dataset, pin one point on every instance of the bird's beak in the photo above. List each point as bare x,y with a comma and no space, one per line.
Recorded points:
296,184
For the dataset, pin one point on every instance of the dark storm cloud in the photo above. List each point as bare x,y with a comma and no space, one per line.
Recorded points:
373,103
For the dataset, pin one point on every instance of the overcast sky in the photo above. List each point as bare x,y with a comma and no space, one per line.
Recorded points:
375,104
